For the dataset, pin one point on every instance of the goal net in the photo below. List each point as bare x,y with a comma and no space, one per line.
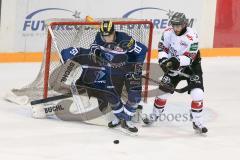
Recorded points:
64,33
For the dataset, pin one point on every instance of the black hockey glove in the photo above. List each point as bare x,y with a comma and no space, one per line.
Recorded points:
166,85
169,64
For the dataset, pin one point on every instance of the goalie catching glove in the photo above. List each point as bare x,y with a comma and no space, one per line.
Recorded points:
172,63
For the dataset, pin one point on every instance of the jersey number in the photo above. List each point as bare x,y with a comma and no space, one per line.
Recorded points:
74,51
137,49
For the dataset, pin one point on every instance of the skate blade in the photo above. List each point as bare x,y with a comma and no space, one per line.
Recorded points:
200,133
123,131
127,132
147,122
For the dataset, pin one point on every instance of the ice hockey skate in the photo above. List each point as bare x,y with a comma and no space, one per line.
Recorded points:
153,117
197,123
114,123
129,127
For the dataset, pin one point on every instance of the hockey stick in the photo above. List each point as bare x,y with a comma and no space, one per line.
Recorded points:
49,99
55,98
181,73
67,95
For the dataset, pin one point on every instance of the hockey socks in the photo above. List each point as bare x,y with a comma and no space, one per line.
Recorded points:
124,114
196,116
158,108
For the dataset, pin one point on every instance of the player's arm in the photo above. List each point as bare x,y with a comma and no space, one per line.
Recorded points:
163,47
138,53
95,45
190,54
136,50
163,57
95,48
183,59
69,53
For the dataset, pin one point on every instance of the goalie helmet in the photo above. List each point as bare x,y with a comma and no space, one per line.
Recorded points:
178,19
106,28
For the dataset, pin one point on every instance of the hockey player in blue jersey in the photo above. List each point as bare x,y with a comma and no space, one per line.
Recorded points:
111,43
122,58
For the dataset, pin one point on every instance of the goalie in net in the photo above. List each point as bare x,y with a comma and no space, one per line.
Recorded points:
70,39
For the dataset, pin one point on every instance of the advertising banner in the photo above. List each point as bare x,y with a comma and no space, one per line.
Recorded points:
31,15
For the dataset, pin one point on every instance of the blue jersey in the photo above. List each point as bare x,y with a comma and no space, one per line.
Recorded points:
123,43
124,50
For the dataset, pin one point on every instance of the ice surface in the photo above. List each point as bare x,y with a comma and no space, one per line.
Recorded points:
24,138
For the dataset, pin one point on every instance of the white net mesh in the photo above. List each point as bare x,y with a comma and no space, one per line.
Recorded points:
71,33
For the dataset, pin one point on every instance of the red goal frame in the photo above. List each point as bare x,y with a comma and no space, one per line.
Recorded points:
49,46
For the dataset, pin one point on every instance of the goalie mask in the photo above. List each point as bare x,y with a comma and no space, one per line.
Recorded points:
106,28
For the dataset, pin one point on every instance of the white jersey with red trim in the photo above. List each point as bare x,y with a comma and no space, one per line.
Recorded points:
184,47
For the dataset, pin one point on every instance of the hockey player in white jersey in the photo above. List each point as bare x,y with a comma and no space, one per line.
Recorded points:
178,52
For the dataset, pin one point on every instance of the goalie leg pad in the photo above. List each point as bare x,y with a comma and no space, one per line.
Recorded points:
60,75
38,112
44,110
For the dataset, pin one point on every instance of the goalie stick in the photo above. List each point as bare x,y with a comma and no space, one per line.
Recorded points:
49,99
55,98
